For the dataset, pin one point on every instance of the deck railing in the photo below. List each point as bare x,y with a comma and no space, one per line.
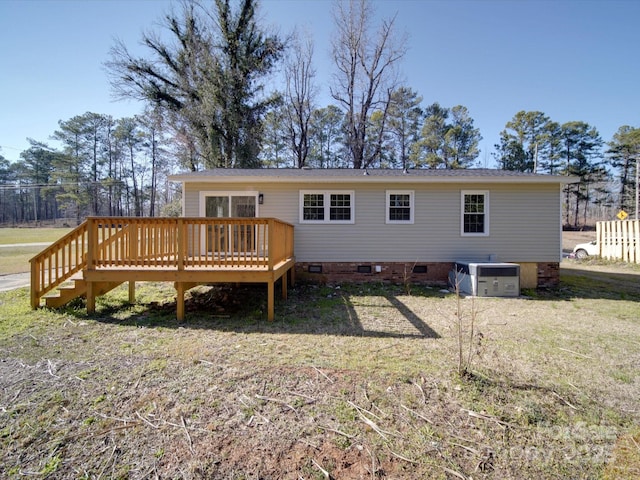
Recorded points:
172,244
58,262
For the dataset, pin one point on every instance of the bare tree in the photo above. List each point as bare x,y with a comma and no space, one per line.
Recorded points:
300,95
209,73
365,74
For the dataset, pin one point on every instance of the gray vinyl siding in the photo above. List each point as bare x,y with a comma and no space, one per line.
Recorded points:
524,223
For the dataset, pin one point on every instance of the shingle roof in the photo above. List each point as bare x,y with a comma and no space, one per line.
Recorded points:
286,175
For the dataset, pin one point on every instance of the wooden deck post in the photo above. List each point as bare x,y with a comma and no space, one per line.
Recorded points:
132,291
92,250
270,301
35,284
182,241
92,243
91,297
180,301
271,239
284,285
292,272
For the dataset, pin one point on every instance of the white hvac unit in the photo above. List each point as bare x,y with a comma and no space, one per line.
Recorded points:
487,279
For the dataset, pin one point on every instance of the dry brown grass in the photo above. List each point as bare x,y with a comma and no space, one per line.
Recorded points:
354,382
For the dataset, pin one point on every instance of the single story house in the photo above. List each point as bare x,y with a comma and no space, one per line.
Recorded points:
395,225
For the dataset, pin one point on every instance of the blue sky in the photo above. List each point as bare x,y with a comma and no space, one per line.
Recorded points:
571,59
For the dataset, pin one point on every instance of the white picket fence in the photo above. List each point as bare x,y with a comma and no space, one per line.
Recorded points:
619,240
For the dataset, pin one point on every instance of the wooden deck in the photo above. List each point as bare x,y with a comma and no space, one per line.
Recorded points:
105,252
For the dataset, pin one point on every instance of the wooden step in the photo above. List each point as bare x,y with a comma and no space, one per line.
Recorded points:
73,289
65,293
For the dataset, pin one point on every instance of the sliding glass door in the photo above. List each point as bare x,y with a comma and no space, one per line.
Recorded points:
230,238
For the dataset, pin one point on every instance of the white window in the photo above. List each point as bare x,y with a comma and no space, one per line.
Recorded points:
326,206
475,213
399,206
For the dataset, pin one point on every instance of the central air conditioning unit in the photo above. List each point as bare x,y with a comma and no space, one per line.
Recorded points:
486,279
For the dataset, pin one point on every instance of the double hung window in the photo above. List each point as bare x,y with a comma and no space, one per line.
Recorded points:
399,206
326,206
475,213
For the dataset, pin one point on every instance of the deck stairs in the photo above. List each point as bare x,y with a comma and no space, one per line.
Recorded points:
75,287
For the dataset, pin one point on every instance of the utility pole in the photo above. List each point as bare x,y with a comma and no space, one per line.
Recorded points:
35,205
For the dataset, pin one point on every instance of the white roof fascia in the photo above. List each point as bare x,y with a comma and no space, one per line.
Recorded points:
542,179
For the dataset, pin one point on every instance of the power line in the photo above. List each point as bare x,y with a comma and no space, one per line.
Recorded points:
26,186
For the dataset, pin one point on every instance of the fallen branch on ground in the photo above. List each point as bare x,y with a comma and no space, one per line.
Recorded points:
145,420
186,431
323,374
564,401
575,353
397,455
324,472
311,399
417,414
360,409
484,416
339,432
276,400
454,473
424,397
51,367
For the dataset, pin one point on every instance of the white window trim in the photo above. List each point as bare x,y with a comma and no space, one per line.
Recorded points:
486,213
226,193
327,206
411,207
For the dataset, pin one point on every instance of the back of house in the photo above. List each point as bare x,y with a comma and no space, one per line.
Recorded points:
394,225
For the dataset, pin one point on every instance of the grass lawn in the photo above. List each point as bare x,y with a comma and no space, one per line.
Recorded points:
31,235
357,381
16,259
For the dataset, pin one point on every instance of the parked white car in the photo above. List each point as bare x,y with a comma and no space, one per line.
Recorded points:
584,250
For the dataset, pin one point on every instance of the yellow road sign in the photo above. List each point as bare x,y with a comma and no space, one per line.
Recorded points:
622,215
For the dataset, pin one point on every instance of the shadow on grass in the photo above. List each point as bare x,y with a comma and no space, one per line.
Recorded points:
347,310
502,381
